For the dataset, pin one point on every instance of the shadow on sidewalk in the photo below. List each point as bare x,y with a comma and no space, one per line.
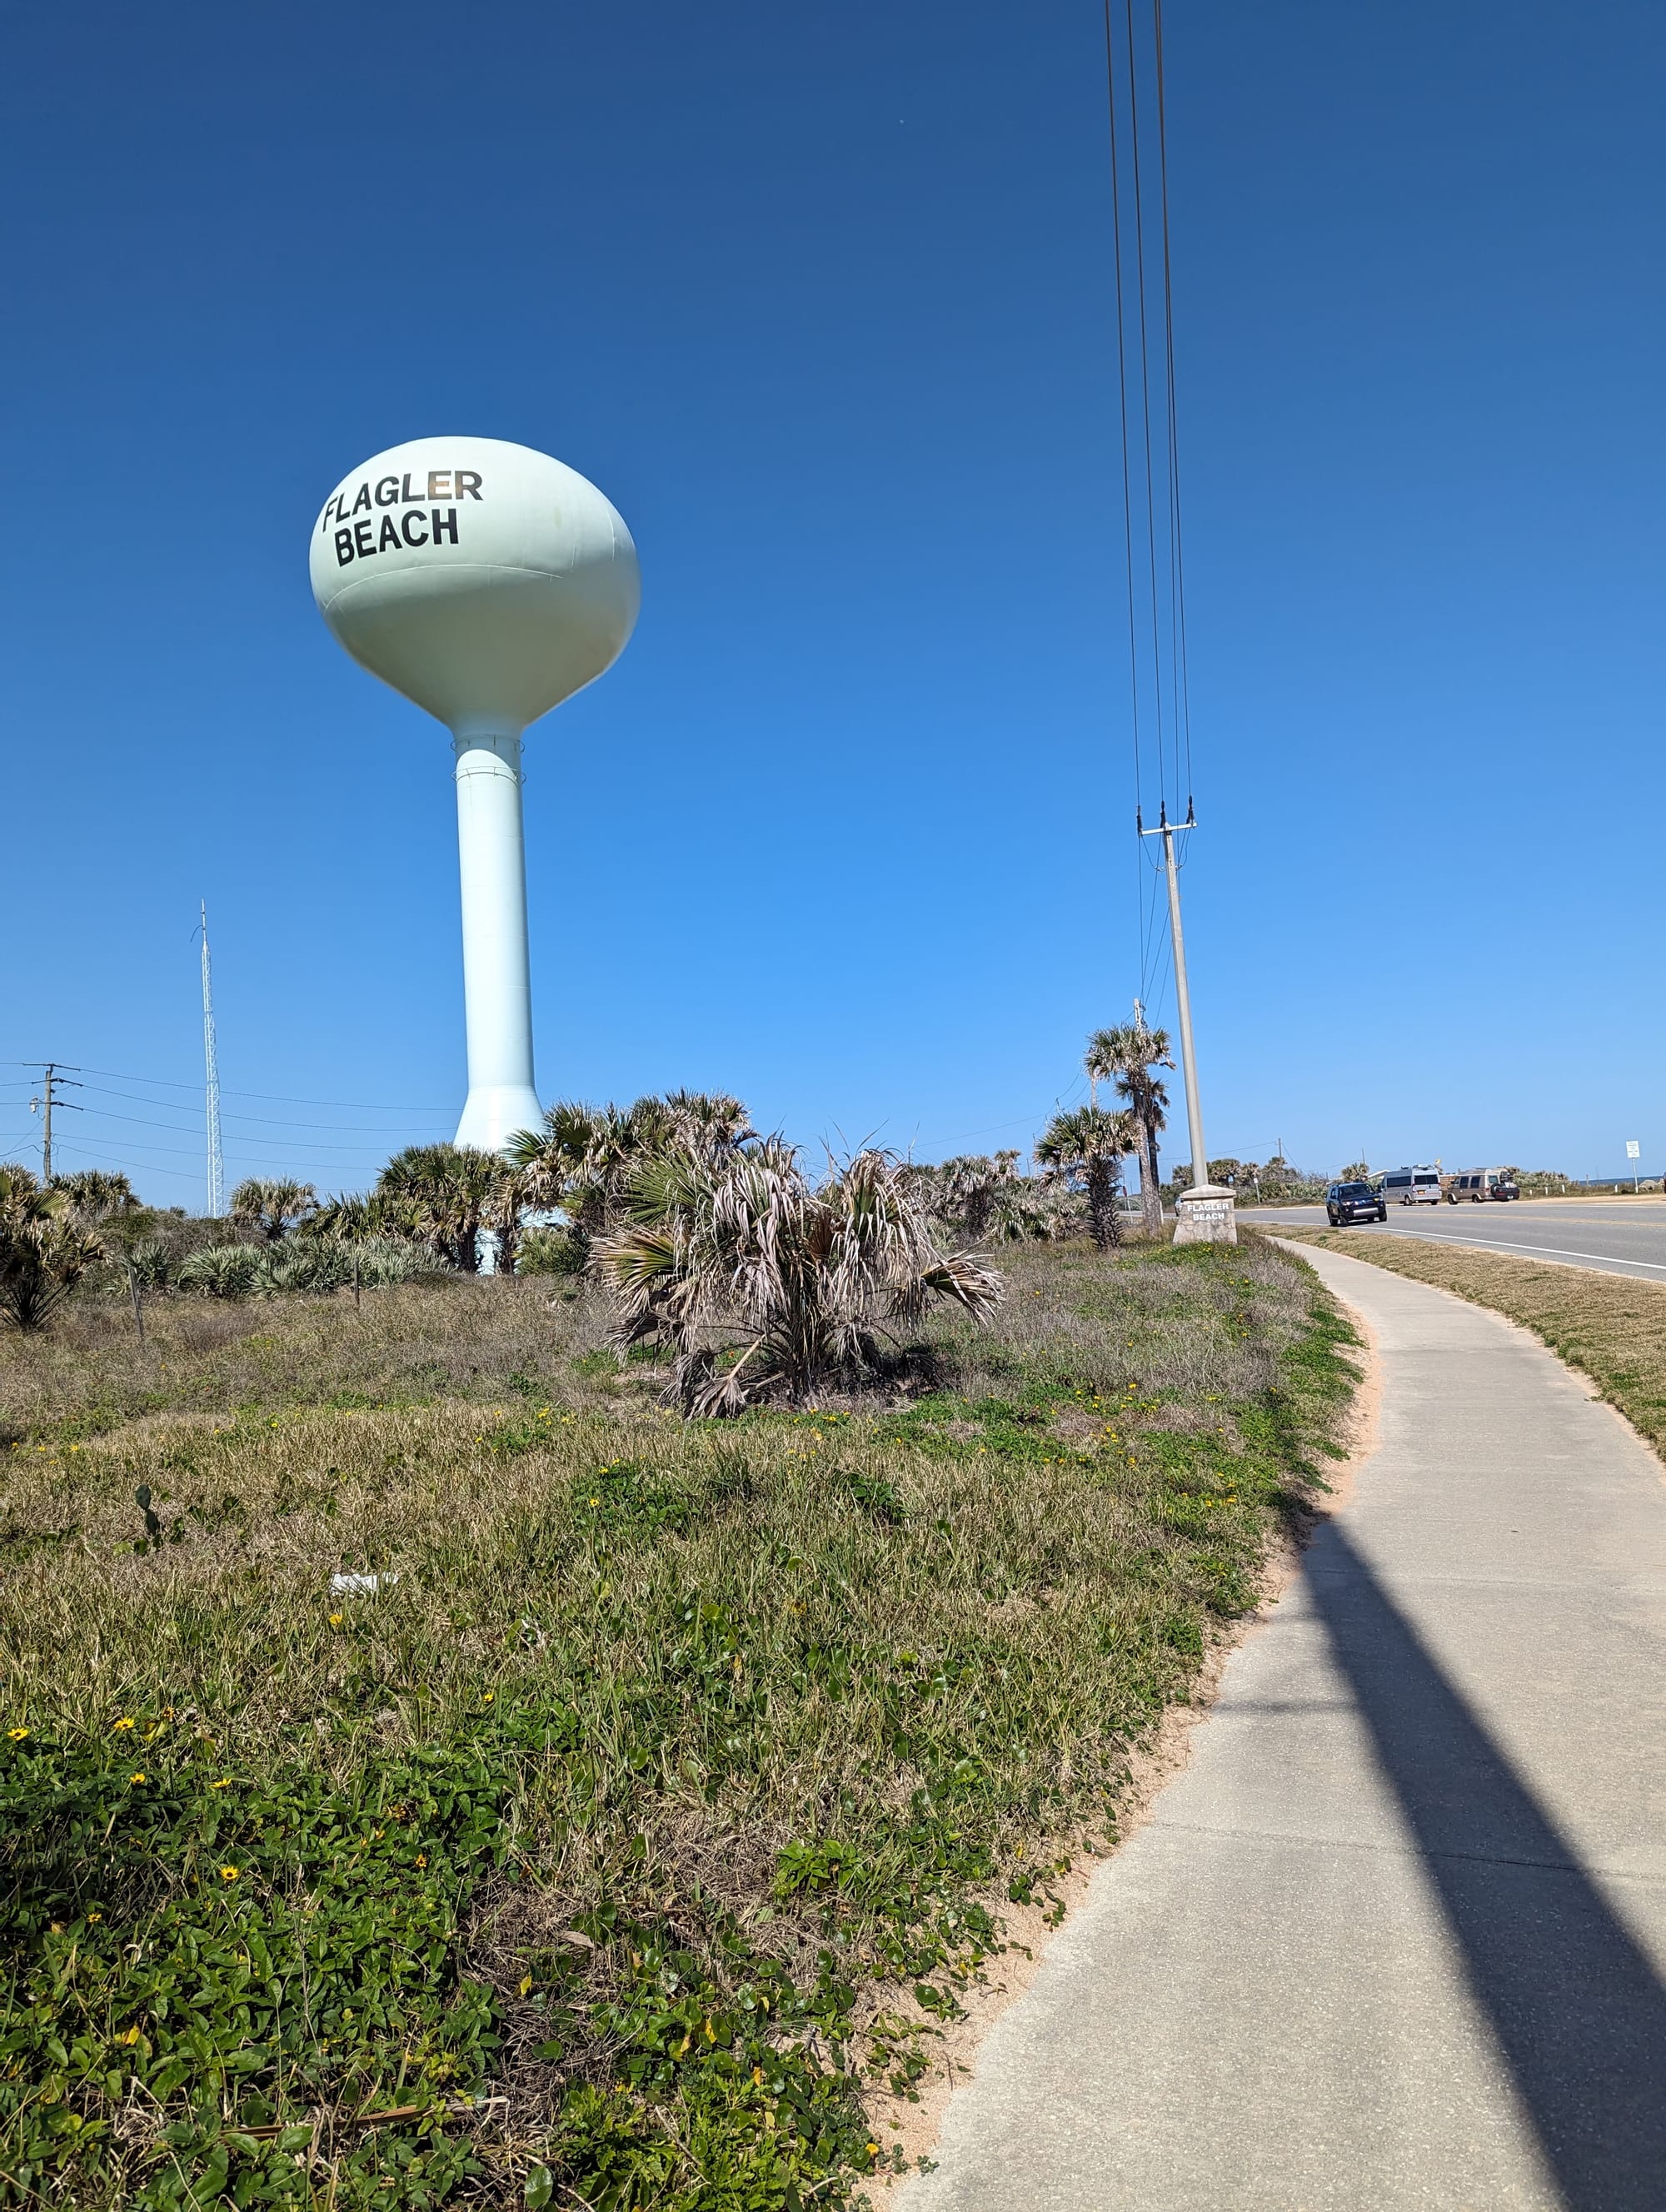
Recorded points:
1576,2008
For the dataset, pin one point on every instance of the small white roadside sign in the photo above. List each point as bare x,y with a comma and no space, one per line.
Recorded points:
1633,1150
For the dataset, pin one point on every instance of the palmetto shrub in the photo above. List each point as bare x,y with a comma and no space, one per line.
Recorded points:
551,1251
151,1261
760,1285
44,1249
387,1260
223,1271
312,1267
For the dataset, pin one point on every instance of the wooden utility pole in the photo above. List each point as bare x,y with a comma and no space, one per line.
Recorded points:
52,1081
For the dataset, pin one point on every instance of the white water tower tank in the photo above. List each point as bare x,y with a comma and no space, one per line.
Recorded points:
486,582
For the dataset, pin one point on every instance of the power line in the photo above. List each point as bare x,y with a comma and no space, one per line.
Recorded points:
1145,390
259,1121
1178,604
269,1098
241,1144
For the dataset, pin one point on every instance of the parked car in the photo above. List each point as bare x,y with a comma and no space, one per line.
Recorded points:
1478,1184
1353,1202
1412,1186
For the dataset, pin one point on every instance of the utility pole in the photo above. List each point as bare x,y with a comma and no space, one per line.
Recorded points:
211,1068
52,1081
1203,1215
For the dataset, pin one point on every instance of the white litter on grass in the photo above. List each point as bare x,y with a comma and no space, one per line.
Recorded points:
360,1586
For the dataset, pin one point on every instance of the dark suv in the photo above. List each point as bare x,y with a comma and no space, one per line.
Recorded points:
1353,1202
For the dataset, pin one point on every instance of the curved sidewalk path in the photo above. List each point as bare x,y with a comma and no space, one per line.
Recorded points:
1397,1937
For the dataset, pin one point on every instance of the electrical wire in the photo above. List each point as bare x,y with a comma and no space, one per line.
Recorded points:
1145,393
1128,480
262,1120
1160,690
1177,604
246,1146
267,1097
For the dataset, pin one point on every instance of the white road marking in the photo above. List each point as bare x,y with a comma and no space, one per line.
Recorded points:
1547,1251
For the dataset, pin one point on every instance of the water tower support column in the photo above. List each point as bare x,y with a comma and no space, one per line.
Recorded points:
496,971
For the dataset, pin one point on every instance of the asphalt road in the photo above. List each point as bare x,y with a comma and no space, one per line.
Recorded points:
1617,1236
1394,1940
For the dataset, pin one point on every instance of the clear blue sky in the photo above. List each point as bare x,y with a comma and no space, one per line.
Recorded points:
821,298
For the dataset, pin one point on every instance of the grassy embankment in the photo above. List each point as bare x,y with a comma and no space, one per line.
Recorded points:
1611,1327
604,1857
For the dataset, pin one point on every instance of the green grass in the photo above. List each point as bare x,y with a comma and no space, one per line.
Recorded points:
612,1853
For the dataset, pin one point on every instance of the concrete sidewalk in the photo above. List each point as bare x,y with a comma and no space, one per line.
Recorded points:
1397,1937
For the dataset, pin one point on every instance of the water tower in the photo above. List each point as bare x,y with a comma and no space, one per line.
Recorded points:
488,583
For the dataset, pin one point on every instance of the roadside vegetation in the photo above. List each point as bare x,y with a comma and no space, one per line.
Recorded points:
569,1736
434,1771
1612,1328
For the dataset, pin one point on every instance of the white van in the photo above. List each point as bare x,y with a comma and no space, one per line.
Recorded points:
1412,1186
1478,1184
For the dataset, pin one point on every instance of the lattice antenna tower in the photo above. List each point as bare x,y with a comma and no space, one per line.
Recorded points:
216,1170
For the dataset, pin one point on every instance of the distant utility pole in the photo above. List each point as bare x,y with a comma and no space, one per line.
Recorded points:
217,1174
1204,1215
52,1081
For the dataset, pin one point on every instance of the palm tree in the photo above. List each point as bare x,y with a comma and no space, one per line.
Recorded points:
44,1249
95,1193
976,1192
350,1220
273,1207
1126,1056
707,1122
577,1161
580,1161
446,1193
761,1285
1090,1142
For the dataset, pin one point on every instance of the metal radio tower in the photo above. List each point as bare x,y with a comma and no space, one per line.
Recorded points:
216,1177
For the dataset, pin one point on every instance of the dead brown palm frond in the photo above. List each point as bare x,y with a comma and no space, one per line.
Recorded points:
762,1285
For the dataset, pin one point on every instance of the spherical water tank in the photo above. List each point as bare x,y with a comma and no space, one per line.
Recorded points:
485,581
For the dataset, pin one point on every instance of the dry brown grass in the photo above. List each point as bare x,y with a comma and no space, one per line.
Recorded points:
1611,1327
